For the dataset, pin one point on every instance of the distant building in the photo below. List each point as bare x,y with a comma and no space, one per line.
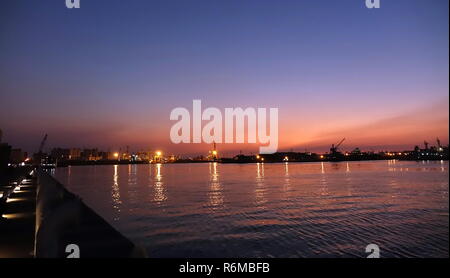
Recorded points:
125,156
103,155
75,154
60,154
17,156
112,155
94,158
143,156
173,158
5,152
90,155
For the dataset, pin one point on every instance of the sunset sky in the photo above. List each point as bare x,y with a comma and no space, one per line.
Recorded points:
108,74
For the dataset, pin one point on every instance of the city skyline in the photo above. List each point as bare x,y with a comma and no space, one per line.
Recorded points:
101,82
126,152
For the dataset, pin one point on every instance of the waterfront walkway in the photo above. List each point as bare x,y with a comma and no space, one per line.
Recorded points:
63,220
17,222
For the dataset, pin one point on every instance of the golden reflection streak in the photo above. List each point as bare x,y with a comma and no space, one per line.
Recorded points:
132,174
391,164
348,180
115,193
215,193
287,178
323,181
260,185
160,195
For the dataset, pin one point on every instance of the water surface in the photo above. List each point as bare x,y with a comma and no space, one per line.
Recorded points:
272,210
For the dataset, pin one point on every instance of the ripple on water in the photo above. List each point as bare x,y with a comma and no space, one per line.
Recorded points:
273,210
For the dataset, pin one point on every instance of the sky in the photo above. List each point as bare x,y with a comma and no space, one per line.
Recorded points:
108,75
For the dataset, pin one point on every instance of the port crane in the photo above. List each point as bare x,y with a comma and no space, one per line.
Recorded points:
334,149
41,146
39,155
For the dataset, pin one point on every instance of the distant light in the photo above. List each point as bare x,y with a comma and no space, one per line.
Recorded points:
214,152
262,158
321,156
257,156
286,158
116,154
158,153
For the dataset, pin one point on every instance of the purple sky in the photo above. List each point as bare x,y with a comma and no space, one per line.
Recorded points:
107,75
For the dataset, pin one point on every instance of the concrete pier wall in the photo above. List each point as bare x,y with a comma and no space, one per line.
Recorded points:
66,227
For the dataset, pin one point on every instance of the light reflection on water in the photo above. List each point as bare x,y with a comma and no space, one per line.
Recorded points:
260,189
160,195
115,192
272,210
215,192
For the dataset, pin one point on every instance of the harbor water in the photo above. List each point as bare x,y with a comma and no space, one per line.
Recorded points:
272,210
